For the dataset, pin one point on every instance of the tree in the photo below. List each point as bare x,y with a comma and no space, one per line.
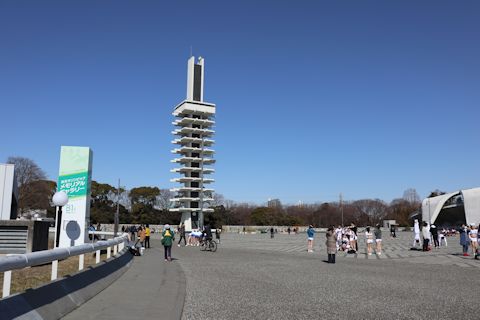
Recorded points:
37,195
102,191
262,216
218,200
400,210
145,195
163,199
411,196
374,210
26,170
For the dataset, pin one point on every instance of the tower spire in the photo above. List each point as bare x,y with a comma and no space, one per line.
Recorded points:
195,76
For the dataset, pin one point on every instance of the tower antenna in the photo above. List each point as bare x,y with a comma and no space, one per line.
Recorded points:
191,52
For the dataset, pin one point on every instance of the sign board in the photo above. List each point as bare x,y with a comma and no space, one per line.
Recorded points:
74,178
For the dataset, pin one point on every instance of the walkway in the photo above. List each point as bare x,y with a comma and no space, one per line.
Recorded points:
150,289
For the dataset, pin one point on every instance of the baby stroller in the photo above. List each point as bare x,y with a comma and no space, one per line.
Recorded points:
134,250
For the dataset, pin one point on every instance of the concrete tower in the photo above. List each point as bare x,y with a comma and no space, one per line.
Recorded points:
194,121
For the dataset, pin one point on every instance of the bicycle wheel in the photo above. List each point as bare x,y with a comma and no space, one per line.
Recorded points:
212,246
203,246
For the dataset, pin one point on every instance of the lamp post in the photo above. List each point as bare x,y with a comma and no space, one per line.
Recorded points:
201,217
59,199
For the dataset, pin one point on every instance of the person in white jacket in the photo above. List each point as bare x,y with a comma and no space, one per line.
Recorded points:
416,233
426,236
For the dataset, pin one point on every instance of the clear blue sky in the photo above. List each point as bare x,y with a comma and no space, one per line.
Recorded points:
314,98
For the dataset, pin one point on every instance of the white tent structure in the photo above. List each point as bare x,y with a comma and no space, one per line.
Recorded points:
431,207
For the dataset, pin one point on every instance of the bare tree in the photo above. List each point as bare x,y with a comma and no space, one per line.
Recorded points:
26,170
163,199
218,200
374,210
411,196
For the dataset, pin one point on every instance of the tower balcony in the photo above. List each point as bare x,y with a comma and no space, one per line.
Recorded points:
187,150
193,121
192,159
188,140
192,169
190,209
187,108
186,131
186,199
191,189
191,179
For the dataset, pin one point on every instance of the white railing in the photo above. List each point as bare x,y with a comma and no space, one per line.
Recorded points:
20,261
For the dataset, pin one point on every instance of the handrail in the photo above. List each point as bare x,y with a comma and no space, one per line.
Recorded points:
20,261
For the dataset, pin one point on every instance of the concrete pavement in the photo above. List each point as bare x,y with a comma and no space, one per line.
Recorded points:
255,277
150,289
243,281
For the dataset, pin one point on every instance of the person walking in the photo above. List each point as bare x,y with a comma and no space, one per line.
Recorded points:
378,239
434,233
218,231
181,231
331,244
147,236
272,232
141,236
392,231
426,236
133,231
310,235
354,228
464,239
473,236
168,237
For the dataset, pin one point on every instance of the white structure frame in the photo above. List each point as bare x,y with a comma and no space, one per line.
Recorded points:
8,192
431,207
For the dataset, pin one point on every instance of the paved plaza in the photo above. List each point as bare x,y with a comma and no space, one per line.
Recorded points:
254,277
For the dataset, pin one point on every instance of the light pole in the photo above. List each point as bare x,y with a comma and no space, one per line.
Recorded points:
59,199
200,218
341,207
117,212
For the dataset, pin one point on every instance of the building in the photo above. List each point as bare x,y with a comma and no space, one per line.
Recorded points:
194,121
274,203
452,209
8,192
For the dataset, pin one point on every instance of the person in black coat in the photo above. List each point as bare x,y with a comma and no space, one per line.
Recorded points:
434,232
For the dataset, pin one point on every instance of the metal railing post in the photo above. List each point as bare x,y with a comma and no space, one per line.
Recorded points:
7,281
97,257
109,249
54,270
81,262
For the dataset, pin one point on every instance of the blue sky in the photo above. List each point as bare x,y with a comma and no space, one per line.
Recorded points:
314,98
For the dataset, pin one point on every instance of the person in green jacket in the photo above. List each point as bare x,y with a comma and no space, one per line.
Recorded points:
168,237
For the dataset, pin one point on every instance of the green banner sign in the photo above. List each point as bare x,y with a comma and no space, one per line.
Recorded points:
75,185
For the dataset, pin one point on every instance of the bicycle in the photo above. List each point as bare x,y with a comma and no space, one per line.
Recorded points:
208,244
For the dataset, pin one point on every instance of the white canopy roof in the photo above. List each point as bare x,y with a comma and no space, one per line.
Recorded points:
431,207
